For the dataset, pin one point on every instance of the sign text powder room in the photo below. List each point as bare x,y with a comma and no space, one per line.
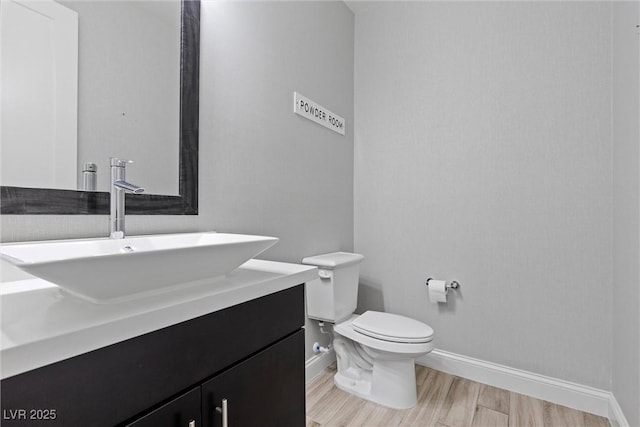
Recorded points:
317,113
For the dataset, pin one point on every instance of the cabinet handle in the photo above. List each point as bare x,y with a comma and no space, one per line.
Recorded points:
192,423
223,411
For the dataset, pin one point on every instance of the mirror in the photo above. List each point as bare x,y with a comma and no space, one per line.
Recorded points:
29,200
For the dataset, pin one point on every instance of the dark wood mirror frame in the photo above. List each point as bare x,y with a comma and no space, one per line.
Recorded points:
23,201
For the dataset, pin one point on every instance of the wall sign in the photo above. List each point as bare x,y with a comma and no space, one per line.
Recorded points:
317,113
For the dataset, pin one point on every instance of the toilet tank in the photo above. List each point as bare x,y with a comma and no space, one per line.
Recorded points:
333,296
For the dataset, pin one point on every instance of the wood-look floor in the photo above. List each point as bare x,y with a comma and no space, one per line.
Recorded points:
443,401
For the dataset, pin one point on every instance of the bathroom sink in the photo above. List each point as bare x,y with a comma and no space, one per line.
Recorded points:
106,270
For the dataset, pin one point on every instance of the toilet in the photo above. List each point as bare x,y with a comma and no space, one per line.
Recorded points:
375,351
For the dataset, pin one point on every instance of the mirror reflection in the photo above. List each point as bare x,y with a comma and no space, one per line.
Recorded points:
124,99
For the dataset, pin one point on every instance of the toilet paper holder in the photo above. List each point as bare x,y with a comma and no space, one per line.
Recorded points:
453,285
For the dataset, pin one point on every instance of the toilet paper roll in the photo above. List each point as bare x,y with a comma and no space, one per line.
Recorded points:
438,291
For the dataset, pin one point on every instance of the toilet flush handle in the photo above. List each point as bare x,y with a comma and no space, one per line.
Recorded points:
324,274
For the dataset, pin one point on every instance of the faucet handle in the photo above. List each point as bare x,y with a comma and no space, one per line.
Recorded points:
120,163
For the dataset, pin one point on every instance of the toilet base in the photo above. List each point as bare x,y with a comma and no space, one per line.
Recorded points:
374,369
390,383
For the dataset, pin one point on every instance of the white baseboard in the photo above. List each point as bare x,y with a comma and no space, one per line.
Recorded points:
564,393
616,416
316,364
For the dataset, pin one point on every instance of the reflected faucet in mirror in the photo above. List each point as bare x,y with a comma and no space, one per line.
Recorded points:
119,186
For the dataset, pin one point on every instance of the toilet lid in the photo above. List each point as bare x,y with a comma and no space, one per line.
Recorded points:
392,327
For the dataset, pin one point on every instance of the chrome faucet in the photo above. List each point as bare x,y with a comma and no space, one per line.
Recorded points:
118,188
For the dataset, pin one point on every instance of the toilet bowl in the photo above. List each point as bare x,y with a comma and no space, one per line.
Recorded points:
375,351
380,366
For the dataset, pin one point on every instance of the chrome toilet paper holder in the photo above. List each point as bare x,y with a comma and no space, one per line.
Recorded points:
452,285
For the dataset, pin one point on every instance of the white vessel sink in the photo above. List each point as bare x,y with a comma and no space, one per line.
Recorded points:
109,270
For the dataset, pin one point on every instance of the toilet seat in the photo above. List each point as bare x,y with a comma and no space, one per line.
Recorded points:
392,327
413,349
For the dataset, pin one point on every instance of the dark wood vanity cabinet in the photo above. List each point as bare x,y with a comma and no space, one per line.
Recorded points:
261,390
251,354
183,411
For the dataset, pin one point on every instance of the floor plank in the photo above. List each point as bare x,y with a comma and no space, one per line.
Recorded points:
363,415
318,387
561,416
525,411
344,417
330,404
422,372
494,398
382,416
591,420
431,396
460,403
489,417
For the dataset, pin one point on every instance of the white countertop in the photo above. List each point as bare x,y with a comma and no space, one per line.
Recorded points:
41,324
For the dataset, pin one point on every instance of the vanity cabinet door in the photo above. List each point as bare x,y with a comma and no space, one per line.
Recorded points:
266,389
183,411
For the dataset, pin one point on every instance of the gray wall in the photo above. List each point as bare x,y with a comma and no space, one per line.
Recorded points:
263,169
276,173
483,154
626,189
